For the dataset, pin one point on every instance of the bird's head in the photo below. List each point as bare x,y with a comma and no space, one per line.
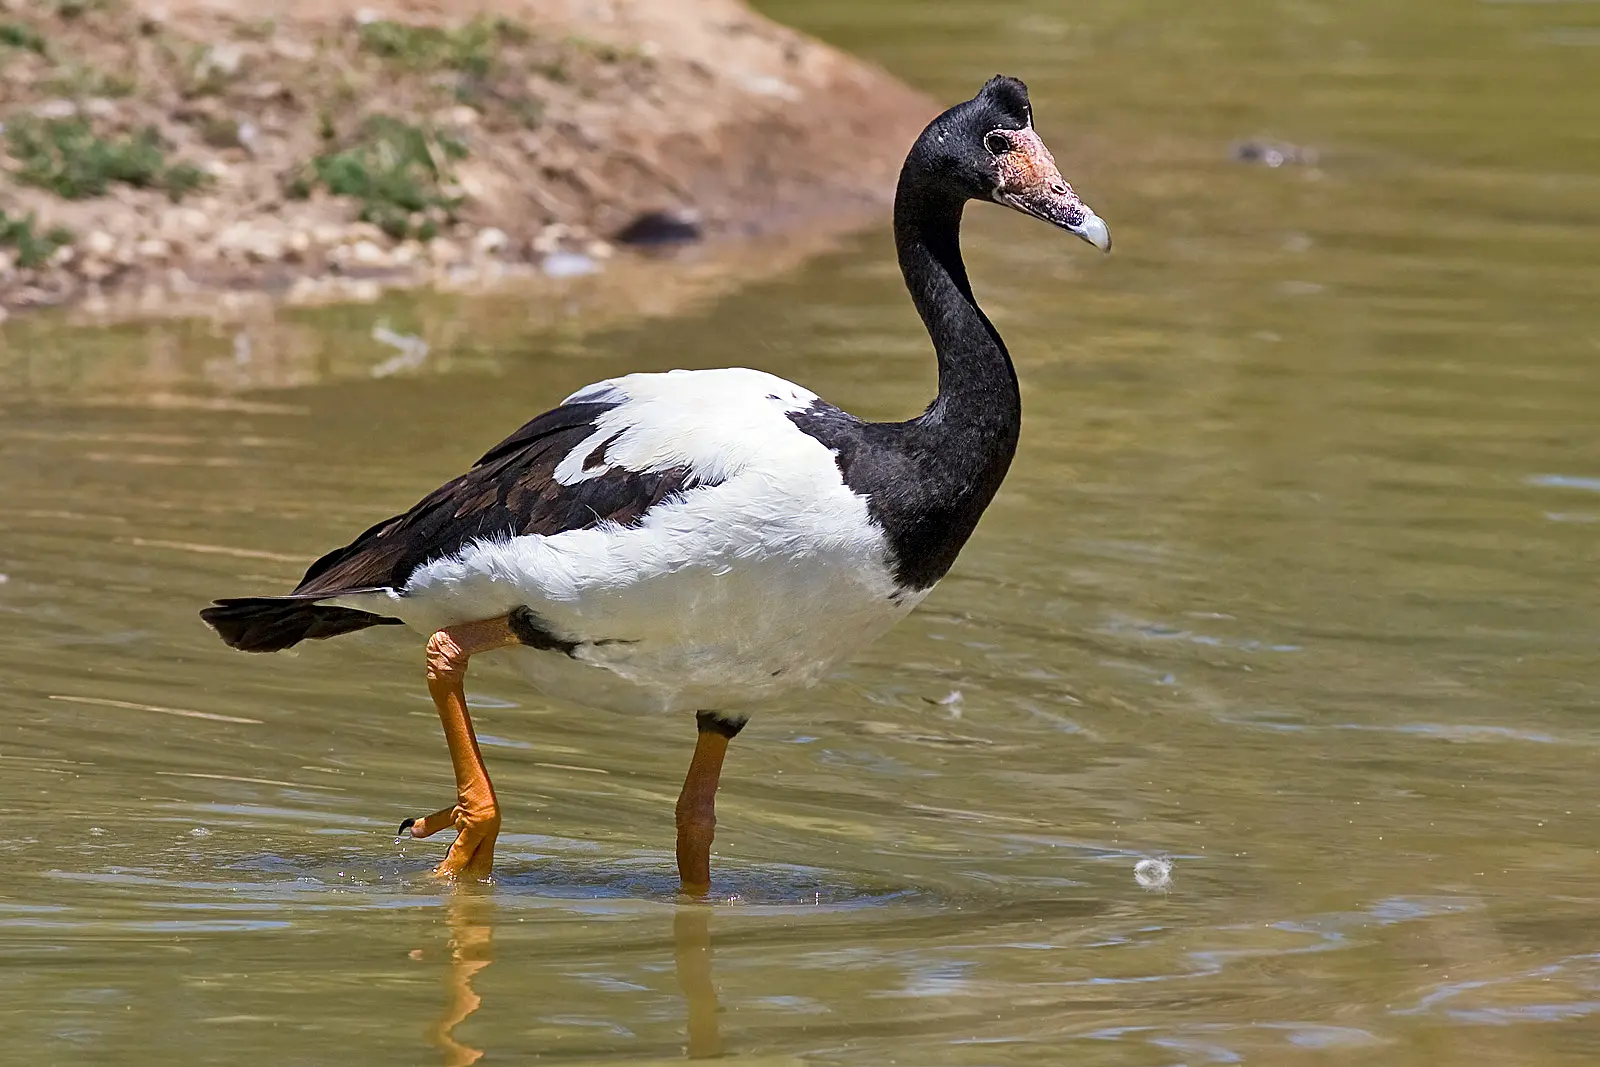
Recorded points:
987,149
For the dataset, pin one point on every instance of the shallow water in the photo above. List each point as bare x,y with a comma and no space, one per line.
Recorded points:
1293,584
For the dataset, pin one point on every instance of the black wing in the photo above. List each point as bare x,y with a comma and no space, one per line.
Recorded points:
510,492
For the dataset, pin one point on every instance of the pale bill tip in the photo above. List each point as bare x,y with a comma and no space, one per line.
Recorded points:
1093,229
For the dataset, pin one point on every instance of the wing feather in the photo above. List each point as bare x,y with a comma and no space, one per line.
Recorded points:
511,491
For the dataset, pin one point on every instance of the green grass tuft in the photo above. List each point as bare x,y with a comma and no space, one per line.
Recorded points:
398,172
26,38
67,158
80,81
74,9
470,48
34,249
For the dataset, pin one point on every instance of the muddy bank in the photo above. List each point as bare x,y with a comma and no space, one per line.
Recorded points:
154,154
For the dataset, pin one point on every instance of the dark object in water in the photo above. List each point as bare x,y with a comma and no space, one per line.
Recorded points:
661,228
1273,153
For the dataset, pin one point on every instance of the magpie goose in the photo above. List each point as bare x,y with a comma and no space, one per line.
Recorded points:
702,540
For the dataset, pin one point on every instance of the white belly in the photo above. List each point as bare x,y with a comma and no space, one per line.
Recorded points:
729,595
735,638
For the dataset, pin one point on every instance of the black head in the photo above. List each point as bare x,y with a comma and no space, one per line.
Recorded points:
1005,102
986,149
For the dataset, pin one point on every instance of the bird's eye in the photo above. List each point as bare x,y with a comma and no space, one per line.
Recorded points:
996,142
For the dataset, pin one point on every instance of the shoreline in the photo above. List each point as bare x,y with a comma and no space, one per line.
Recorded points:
222,347
157,157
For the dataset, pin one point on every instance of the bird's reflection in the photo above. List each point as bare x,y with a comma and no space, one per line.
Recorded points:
470,911
691,944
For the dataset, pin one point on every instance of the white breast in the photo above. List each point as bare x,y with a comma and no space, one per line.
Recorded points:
760,578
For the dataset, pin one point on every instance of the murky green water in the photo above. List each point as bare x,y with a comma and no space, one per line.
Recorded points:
1294,582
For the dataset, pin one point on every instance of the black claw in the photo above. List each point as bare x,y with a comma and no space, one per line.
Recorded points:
408,824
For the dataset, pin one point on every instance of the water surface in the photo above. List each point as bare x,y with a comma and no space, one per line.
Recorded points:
1293,584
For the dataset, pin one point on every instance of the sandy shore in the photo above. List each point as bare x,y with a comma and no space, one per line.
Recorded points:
157,154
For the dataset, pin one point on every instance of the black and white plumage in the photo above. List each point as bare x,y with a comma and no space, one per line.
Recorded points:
702,540
682,542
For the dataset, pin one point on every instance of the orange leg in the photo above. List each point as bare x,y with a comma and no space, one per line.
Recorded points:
475,814
697,804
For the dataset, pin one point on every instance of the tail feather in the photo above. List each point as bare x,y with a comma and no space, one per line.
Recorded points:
273,623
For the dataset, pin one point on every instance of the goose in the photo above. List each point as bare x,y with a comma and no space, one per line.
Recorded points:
702,540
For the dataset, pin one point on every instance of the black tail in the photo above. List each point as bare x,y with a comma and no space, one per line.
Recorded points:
273,623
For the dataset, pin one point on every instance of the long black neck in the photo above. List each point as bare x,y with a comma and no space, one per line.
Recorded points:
974,422
928,480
